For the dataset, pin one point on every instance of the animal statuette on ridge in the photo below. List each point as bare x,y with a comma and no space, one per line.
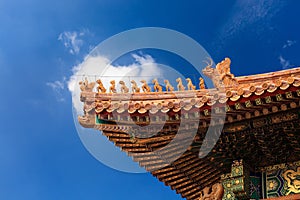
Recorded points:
156,86
180,86
220,75
145,86
100,87
190,85
201,84
217,192
112,88
86,86
124,88
169,87
134,87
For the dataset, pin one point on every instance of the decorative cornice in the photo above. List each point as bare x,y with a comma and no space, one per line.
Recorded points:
285,87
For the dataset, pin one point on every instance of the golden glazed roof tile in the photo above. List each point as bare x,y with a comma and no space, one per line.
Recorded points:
142,102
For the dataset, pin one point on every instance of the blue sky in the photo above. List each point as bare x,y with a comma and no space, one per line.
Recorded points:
41,155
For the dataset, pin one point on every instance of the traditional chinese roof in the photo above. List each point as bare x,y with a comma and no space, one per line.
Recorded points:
261,126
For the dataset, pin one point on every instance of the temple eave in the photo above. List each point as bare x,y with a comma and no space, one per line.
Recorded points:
258,116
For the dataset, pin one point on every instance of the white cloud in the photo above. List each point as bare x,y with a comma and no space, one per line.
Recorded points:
73,40
289,43
58,88
93,68
56,85
284,63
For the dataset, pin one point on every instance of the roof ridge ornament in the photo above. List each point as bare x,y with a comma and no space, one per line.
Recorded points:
221,75
85,86
100,87
215,192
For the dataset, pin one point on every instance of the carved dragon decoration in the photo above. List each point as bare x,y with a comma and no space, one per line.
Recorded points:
292,181
221,75
217,192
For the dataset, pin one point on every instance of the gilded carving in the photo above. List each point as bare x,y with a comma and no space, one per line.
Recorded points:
216,193
292,179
